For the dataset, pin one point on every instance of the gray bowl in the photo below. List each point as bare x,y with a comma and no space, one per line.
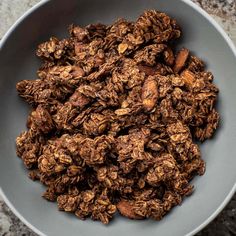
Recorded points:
17,61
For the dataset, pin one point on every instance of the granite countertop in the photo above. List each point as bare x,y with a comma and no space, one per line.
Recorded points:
224,11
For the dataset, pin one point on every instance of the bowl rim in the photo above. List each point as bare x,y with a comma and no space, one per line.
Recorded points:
230,43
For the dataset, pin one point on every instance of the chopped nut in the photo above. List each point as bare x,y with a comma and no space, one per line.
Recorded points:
169,56
122,47
181,60
77,99
188,77
149,93
126,209
78,72
148,70
122,111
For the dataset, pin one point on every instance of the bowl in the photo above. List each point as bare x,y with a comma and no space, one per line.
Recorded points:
202,35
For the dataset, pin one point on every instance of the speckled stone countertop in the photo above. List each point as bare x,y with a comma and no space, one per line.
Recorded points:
224,11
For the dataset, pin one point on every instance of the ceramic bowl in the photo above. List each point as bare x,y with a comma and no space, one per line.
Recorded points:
201,34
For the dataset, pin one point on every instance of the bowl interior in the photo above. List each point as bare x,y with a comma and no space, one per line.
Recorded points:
18,62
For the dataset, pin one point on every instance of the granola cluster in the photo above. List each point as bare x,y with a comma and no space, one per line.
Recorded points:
116,114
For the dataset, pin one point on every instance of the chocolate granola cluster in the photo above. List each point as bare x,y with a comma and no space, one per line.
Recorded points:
116,113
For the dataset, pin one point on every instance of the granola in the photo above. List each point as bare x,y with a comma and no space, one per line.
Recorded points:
116,113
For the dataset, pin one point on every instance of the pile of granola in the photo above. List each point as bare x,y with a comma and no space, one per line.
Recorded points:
116,113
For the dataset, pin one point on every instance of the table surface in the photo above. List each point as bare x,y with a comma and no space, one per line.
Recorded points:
224,11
